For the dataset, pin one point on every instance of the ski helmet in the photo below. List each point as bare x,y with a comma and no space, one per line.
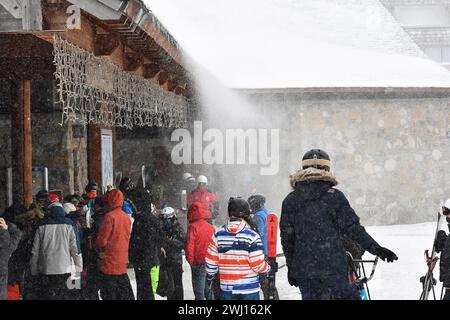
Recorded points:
202,179
187,176
91,186
316,158
447,204
239,208
168,212
256,202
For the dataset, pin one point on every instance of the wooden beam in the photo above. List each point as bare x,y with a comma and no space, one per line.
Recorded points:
180,90
163,77
94,147
105,44
151,70
132,61
23,153
28,68
32,15
172,84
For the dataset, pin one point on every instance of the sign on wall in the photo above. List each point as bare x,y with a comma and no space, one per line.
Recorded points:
107,159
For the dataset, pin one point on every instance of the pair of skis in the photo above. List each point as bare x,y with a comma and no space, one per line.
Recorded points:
272,237
431,259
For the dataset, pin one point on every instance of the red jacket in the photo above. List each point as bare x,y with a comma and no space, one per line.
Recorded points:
199,234
206,197
114,235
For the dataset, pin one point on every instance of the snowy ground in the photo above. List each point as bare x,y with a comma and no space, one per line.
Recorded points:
396,281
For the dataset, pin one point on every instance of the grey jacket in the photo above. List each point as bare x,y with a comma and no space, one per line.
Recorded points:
55,245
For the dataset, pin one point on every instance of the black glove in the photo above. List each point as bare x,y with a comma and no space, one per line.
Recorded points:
385,254
292,281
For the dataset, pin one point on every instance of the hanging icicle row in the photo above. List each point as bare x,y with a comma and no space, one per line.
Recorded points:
93,90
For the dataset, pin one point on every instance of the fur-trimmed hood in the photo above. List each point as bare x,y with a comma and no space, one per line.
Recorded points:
312,175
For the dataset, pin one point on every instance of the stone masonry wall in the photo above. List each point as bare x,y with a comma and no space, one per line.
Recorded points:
62,149
391,156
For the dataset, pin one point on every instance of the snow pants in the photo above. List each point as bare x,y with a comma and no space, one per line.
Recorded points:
177,273
328,288
116,287
53,287
144,283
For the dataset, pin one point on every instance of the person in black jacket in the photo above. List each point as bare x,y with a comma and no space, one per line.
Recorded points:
19,263
173,241
314,217
9,239
443,246
145,243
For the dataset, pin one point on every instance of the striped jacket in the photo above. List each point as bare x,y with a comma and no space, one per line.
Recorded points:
236,253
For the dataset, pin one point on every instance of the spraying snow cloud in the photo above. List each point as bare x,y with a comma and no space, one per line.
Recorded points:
291,43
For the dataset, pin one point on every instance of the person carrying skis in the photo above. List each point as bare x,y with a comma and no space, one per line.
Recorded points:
313,218
205,196
145,244
199,234
260,214
172,260
236,253
443,246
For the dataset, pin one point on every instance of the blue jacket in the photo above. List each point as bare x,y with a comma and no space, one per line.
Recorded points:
261,220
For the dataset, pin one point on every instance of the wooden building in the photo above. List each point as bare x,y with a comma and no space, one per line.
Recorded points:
75,78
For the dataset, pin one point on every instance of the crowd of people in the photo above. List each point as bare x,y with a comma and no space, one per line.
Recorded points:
83,247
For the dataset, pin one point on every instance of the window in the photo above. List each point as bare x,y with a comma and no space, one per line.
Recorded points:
423,16
439,54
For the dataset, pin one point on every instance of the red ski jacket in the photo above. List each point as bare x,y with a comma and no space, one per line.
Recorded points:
206,197
199,234
114,235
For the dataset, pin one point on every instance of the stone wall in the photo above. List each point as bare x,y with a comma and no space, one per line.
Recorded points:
62,149
391,155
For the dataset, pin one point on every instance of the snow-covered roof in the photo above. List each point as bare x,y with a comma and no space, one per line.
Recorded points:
299,43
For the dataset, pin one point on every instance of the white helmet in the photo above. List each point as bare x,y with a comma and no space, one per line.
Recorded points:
202,179
447,204
168,212
187,176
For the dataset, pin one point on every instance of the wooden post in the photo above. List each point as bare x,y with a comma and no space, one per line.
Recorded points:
94,154
23,163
